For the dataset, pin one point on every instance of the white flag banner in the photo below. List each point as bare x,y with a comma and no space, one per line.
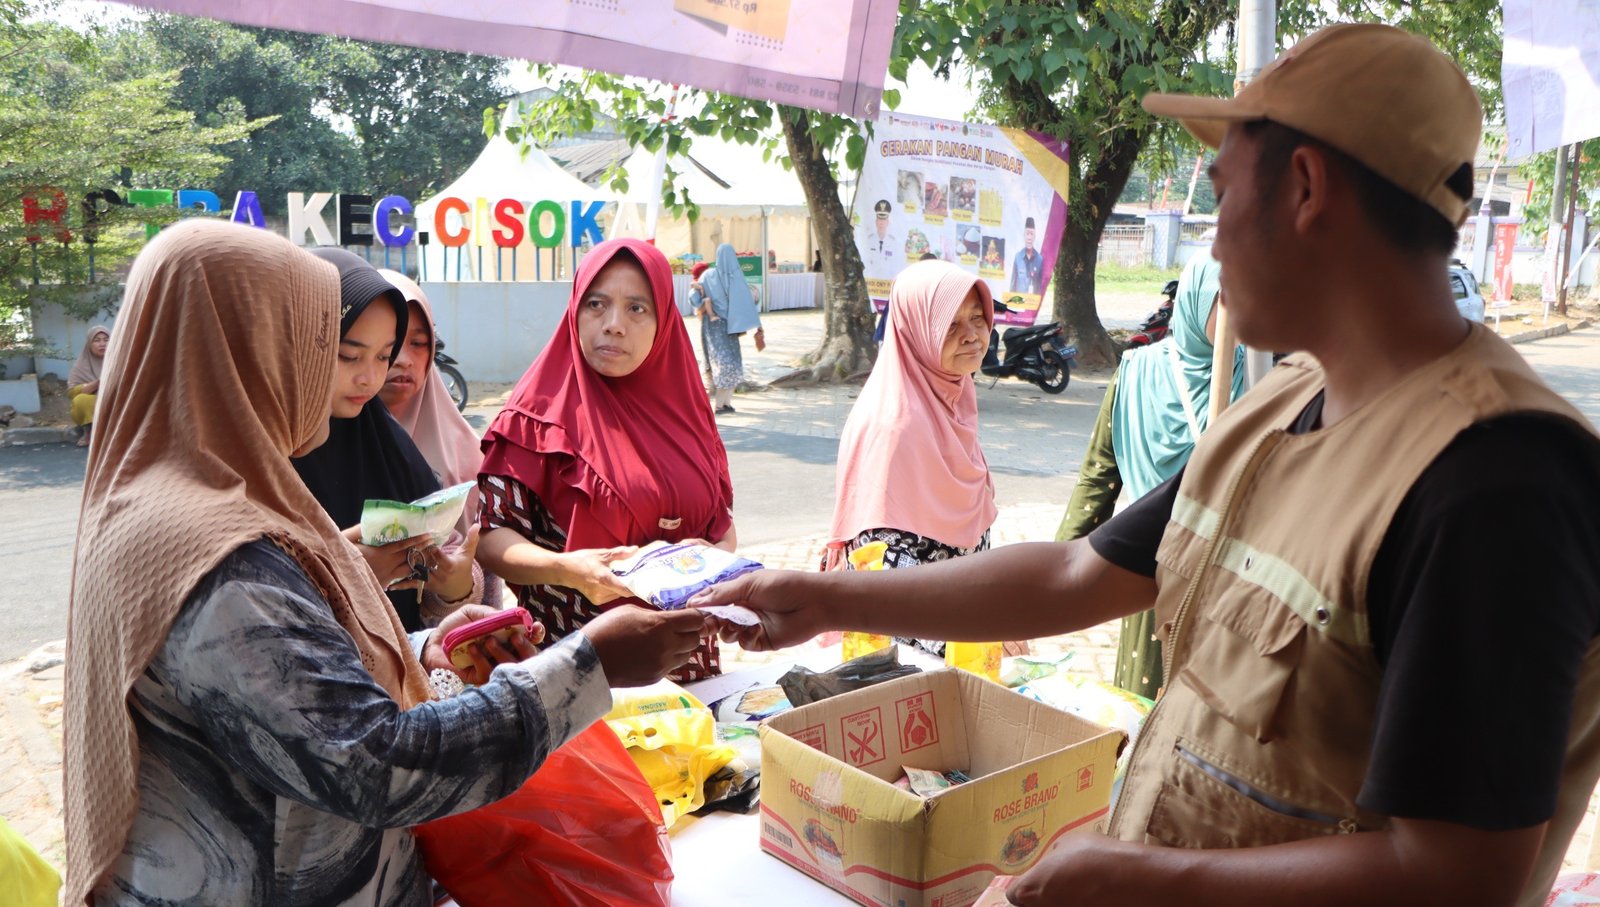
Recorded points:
1551,73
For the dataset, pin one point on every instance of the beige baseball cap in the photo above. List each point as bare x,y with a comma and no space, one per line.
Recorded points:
1385,97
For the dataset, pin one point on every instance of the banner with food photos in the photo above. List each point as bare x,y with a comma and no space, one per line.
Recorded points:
987,198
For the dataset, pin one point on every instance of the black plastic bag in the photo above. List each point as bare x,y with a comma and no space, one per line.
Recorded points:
804,686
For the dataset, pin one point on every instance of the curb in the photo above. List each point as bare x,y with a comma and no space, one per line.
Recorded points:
1542,333
23,437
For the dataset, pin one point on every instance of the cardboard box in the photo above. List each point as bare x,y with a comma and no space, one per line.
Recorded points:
829,806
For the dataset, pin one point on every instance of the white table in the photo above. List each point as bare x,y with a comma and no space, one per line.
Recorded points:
718,861
793,291
782,291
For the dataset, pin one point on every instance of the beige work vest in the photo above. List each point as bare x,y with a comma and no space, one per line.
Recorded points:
1263,732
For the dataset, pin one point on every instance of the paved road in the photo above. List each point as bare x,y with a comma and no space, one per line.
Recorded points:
781,447
40,490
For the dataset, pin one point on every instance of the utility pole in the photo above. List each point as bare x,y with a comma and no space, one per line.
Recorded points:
1556,233
1258,38
1567,225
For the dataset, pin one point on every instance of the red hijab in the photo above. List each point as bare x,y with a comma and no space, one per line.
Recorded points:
617,461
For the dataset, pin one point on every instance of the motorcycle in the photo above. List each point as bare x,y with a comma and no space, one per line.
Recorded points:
453,381
1157,324
1039,354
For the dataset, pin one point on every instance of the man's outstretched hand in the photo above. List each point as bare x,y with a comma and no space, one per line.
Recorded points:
787,602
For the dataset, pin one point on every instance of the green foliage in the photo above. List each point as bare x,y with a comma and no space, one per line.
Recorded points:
68,123
641,109
1144,275
346,115
1541,171
1076,71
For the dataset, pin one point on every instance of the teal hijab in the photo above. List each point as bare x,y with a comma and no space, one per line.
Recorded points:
730,293
1151,433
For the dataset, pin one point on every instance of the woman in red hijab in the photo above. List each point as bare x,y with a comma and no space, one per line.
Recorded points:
608,442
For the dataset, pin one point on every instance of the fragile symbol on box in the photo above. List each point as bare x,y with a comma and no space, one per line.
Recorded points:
918,727
863,737
815,736
1086,777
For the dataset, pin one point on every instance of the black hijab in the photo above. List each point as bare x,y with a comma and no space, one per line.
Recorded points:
369,456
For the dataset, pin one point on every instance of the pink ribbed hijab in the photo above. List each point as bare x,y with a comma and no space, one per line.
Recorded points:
909,457
430,417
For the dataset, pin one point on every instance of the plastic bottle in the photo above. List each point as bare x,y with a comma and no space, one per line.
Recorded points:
857,644
980,658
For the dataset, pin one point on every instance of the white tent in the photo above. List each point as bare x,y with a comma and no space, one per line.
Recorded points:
502,171
751,203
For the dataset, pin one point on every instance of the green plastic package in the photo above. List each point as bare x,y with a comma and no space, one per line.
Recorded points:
436,515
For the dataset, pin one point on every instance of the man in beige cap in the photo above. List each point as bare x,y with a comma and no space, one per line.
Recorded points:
1365,704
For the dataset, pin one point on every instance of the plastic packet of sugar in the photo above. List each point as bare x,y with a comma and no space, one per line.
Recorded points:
668,574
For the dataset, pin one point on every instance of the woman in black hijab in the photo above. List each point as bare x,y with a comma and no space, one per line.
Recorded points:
368,454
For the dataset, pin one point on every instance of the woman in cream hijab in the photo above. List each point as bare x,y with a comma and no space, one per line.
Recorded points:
245,721
83,381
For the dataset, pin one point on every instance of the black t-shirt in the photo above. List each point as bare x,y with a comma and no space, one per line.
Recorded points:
1483,597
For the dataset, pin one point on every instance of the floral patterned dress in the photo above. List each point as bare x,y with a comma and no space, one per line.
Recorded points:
907,549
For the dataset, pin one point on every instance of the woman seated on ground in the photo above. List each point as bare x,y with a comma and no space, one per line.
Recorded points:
83,381
368,456
417,398
606,443
1154,409
732,313
246,722
911,473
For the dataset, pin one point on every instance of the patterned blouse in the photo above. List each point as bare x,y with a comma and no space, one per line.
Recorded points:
509,504
274,770
907,549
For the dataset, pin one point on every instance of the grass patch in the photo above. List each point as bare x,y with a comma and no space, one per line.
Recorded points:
1143,279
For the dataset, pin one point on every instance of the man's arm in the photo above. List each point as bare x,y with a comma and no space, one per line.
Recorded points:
1412,862
1015,592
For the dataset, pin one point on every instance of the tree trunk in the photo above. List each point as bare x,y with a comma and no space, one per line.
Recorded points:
847,347
1080,248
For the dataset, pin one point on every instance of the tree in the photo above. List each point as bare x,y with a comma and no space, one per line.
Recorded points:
813,146
417,114
229,75
67,129
1540,169
350,116
1077,71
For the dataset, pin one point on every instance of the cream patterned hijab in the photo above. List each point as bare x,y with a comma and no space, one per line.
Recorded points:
222,365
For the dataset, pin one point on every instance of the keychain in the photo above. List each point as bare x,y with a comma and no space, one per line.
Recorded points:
418,562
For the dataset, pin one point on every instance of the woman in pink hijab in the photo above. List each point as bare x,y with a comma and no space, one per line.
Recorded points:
911,473
418,400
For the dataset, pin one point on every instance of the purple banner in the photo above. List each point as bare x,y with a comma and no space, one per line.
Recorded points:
829,55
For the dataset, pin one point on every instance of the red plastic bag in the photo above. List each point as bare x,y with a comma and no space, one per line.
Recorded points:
584,830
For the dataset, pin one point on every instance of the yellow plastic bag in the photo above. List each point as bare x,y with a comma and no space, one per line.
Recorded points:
24,875
671,736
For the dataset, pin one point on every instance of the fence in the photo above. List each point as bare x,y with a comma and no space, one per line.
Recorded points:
1125,246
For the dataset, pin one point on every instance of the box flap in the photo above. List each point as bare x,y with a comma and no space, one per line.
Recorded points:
1015,729
914,720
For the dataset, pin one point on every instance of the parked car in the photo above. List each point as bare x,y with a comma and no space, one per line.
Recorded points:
1465,286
